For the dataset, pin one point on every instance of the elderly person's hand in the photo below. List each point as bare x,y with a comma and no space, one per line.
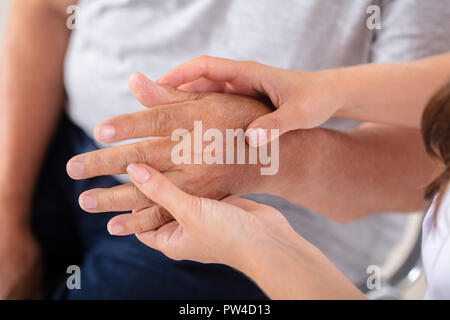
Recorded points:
253,238
169,109
204,230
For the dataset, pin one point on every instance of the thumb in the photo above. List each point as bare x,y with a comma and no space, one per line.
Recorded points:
269,127
151,94
158,188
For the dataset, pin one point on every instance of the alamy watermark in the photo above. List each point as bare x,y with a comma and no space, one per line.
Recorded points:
73,21
211,147
372,22
374,279
74,279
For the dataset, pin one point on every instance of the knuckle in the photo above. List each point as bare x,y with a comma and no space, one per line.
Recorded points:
161,216
147,220
155,218
96,161
128,124
203,61
160,121
112,198
196,204
141,224
157,154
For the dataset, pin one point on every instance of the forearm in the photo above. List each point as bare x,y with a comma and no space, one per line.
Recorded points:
346,176
391,93
31,98
306,272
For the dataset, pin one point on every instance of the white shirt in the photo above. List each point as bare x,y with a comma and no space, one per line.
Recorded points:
436,249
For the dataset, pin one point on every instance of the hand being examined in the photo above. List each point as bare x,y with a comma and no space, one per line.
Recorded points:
169,109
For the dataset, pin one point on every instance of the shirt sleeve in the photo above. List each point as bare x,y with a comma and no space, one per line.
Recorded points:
411,29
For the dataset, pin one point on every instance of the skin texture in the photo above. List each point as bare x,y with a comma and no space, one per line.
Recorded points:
259,241
388,164
179,110
307,99
29,111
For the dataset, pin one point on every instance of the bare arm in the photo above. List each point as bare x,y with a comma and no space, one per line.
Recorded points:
306,273
394,93
31,97
346,176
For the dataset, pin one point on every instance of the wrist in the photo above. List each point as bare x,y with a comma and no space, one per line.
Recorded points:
343,85
250,254
259,243
300,162
352,86
262,263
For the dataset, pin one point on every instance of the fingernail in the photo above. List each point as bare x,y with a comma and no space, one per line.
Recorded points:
138,173
75,168
106,132
88,202
115,229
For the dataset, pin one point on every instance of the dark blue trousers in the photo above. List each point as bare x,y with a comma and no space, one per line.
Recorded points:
111,267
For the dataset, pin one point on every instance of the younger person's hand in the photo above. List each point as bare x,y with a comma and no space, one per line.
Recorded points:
369,93
303,99
168,110
204,230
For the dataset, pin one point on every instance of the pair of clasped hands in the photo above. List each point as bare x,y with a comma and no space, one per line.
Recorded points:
192,211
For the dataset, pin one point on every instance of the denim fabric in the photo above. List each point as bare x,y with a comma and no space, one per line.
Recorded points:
112,267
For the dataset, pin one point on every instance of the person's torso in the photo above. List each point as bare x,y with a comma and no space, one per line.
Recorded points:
117,37
436,249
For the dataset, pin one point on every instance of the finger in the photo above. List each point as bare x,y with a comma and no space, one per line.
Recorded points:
142,221
270,126
119,198
114,160
124,197
151,94
244,76
158,121
242,203
159,189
